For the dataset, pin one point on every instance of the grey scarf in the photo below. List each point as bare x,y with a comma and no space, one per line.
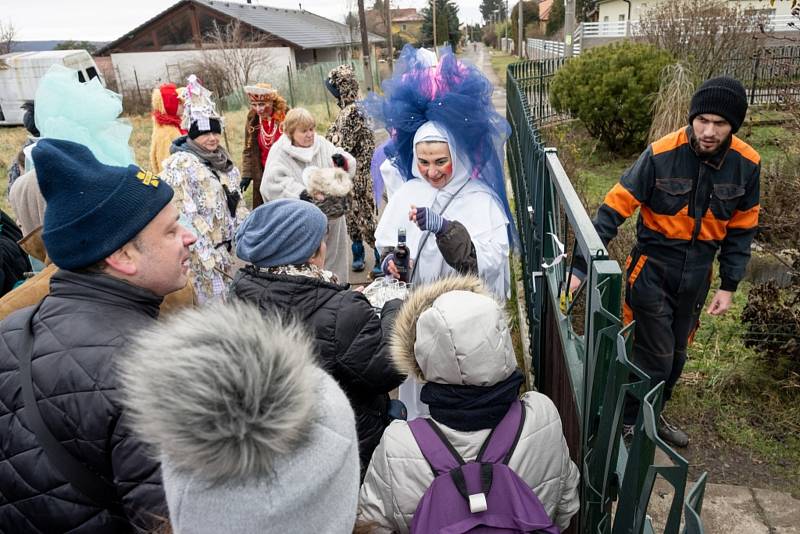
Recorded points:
219,160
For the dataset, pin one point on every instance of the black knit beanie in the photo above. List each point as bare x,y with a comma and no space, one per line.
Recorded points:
723,96
214,125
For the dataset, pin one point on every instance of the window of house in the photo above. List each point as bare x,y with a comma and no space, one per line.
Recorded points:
403,26
605,19
622,18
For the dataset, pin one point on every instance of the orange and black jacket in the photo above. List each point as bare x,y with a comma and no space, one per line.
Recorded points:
689,207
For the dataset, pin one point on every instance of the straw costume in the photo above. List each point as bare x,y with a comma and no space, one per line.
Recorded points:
166,124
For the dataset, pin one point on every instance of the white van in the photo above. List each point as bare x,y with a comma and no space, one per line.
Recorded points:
20,73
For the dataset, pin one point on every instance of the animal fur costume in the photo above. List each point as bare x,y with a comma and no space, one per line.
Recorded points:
259,136
351,132
166,124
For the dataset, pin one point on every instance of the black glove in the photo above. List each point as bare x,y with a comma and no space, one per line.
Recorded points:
339,161
305,196
244,184
232,198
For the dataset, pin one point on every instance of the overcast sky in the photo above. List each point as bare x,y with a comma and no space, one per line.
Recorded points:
106,20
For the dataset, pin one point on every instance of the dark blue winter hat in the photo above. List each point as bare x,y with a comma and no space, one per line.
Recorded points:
92,208
286,231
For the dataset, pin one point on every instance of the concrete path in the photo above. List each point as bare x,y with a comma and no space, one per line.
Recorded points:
726,509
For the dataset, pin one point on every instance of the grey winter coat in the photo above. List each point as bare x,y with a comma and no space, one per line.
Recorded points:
78,334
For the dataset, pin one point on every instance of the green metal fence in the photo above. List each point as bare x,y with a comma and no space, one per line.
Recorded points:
579,345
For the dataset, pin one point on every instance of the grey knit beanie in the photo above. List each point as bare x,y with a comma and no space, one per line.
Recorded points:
281,232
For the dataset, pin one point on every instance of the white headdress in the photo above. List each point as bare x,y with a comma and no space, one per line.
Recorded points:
198,106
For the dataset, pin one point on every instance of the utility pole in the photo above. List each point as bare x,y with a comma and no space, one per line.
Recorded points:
362,17
508,21
435,47
520,44
387,5
569,26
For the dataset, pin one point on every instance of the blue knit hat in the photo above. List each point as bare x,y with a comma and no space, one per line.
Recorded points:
92,208
281,232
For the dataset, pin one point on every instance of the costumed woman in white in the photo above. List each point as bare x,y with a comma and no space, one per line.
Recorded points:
447,145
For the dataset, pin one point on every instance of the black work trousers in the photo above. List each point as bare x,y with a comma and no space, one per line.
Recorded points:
665,297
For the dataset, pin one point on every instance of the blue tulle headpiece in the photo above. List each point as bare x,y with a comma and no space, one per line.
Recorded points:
456,95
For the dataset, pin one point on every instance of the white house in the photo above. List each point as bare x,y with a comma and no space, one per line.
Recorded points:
621,11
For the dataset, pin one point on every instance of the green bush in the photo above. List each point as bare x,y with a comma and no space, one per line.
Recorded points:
611,90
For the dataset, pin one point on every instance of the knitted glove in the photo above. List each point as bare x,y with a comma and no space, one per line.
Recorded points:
385,265
340,161
244,184
429,220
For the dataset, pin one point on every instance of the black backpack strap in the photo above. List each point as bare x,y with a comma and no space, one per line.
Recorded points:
89,483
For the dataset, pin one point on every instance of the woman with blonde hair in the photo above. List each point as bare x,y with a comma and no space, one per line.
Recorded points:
299,151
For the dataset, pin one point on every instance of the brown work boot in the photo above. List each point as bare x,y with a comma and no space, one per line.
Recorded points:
672,434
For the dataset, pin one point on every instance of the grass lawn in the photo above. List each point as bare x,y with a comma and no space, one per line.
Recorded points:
744,425
500,63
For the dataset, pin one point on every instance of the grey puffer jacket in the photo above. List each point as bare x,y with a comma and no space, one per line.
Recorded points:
451,332
78,333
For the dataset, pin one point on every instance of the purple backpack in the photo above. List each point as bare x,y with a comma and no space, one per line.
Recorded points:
481,496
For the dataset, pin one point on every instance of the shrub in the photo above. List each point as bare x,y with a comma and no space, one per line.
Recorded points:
772,319
611,90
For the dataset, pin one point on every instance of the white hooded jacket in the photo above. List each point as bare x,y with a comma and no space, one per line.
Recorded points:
452,332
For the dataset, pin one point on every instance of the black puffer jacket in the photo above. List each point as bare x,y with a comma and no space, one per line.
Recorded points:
78,333
353,341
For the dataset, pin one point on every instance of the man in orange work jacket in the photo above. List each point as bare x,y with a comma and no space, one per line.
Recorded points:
697,191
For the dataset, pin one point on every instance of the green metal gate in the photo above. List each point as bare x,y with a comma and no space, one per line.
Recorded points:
579,359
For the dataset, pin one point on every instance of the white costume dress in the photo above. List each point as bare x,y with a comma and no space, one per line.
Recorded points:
464,199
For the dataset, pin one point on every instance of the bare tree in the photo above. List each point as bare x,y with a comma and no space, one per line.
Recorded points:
7,34
703,34
233,55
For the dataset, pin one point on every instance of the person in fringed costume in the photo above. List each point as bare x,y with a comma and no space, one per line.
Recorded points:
447,144
166,123
351,132
207,195
263,128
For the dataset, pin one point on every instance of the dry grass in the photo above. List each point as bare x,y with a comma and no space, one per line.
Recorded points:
12,138
672,103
